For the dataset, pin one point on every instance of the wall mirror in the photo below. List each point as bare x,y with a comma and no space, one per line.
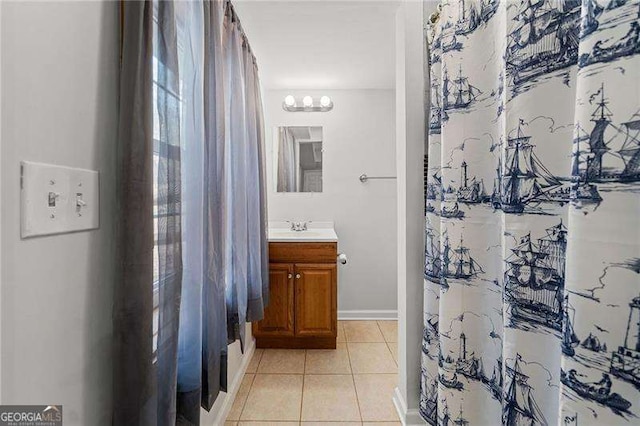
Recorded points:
299,159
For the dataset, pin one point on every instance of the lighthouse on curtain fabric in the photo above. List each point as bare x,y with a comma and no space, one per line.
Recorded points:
532,232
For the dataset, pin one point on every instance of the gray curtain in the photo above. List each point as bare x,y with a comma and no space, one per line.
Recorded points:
168,196
192,236
258,290
190,339
244,202
236,185
134,380
214,331
261,187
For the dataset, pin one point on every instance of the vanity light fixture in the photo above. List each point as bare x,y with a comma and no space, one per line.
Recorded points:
308,104
290,101
325,101
307,101
326,104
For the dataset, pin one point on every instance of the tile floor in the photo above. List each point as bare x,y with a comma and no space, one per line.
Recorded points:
351,385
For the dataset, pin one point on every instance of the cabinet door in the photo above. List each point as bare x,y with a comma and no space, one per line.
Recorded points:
278,315
316,304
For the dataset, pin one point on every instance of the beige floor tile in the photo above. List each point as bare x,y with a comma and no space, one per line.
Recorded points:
393,347
389,330
329,398
372,358
341,337
282,361
230,423
381,424
328,361
255,360
375,393
274,397
331,423
268,423
362,331
241,397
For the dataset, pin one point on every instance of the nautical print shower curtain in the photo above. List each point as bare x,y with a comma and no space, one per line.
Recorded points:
532,237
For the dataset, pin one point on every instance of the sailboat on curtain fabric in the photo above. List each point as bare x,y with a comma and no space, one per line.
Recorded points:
457,92
448,261
544,39
598,139
520,407
569,338
546,260
534,278
525,179
429,399
473,14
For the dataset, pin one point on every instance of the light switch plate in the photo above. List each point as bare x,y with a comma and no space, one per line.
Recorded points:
57,199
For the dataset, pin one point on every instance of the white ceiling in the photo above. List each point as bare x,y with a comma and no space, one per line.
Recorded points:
310,44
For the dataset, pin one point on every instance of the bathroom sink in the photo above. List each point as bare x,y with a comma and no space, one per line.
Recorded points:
316,232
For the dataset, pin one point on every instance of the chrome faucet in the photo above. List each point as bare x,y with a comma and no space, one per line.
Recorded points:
298,226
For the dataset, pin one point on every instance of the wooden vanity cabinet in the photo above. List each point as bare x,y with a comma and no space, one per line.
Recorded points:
279,314
302,310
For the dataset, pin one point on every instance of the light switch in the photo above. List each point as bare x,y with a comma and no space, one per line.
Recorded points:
57,199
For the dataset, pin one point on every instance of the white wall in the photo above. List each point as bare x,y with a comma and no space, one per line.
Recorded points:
410,231
358,138
59,105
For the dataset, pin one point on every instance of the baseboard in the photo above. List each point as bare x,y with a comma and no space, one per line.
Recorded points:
230,396
367,315
408,417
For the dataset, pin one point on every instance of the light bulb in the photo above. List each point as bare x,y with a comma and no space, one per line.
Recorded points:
307,101
325,101
290,101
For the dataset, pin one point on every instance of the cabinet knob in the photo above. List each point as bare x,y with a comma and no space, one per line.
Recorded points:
297,276
290,276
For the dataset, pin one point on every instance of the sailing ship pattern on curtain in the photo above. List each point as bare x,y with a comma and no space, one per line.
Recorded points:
532,239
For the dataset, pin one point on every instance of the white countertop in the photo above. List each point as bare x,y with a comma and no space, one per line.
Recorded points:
321,232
